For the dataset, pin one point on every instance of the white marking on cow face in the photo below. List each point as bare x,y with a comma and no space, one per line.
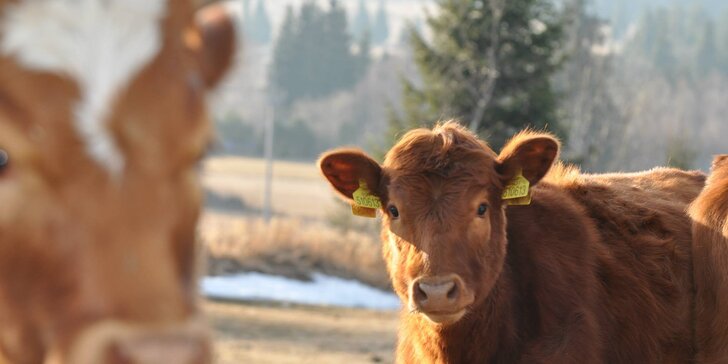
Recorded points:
101,44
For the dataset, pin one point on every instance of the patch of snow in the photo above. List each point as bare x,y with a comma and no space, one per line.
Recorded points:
323,290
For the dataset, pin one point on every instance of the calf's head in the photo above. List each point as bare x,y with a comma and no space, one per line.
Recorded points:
102,120
443,226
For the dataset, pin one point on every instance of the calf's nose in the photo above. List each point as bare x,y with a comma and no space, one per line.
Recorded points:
438,294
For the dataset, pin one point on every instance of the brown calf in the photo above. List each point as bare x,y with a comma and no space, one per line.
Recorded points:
596,269
102,120
710,258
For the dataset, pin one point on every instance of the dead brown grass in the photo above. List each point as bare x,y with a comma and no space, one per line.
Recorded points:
291,247
311,232
290,334
256,167
298,188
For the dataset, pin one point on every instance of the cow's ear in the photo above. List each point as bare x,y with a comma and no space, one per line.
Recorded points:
719,161
345,168
530,153
217,38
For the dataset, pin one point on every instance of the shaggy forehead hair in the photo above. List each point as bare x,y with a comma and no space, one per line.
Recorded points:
448,150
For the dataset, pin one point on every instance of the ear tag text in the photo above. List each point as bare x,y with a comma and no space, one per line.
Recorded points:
518,191
365,203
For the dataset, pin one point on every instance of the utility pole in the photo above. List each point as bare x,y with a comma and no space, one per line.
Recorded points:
269,128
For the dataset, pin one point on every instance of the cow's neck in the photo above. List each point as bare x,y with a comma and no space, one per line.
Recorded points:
487,325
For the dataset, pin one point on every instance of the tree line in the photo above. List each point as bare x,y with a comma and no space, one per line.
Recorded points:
502,65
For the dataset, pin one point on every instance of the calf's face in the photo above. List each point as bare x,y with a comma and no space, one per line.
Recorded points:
443,225
102,120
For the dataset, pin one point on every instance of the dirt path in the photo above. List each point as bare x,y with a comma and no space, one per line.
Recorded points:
261,334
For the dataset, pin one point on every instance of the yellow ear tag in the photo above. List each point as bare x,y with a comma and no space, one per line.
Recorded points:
518,191
365,203
363,211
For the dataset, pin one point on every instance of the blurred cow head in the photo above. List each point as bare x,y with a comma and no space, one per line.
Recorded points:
102,120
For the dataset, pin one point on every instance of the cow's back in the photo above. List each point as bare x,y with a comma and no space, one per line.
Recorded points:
645,259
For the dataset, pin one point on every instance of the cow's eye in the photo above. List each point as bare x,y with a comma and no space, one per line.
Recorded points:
482,209
393,211
4,161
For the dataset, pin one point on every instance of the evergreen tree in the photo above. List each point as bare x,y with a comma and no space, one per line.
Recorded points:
678,42
260,29
380,31
336,57
362,57
313,55
722,41
419,27
246,16
413,25
284,71
588,110
707,55
361,26
489,65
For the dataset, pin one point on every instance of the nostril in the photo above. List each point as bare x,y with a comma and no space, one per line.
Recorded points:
453,293
420,294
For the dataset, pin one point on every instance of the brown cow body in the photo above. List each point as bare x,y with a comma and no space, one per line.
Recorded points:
710,257
103,118
612,284
597,269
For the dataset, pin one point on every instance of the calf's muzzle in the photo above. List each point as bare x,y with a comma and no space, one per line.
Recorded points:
442,299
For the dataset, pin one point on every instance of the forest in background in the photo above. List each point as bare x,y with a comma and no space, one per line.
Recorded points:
627,84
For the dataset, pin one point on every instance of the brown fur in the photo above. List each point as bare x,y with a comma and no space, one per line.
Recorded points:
597,269
79,248
710,257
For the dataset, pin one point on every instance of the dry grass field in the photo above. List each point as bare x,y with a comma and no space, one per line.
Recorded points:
298,189
274,334
290,247
310,232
